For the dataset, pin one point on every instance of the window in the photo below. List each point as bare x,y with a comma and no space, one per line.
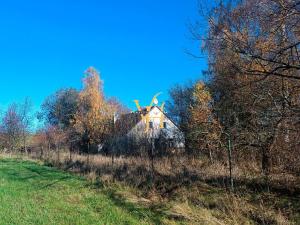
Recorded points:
171,143
165,125
151,125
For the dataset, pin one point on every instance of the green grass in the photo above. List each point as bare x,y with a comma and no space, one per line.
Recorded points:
31,193
35,194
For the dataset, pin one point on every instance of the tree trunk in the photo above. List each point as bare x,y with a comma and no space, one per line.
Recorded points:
152,156
70,153
112,159
210,156
24,143
58,155
230,163
266,165
42,152
265,162
49,149
88,153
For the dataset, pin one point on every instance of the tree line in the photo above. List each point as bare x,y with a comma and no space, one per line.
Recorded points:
248,108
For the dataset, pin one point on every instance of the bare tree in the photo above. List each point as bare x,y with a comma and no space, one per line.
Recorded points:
253,50
26,118
11,128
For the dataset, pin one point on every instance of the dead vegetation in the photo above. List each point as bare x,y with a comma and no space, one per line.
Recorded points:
191,190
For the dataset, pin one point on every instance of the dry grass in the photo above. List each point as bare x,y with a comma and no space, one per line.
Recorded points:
193,190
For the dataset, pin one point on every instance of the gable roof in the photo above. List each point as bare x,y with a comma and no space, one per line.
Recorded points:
168,117
126,122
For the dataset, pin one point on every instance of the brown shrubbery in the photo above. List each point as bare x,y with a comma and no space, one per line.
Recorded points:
187,182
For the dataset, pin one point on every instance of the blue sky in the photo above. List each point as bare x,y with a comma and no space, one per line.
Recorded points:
137,45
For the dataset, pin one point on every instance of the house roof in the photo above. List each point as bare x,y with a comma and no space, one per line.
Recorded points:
127,122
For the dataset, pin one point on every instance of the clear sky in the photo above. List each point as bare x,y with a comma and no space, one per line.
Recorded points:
137,45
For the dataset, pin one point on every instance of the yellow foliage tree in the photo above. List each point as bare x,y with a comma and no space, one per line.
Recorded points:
204,130
94,117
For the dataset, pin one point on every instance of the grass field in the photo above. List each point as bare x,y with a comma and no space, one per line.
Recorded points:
32,193
35,194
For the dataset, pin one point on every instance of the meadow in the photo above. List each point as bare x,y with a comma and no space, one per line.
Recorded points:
31,193
92,190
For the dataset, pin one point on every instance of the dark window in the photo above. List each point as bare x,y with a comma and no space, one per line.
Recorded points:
171,143
150,125
165,125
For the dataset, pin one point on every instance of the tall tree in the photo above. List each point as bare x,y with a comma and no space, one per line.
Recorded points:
181,98
253,50
11,128
25,114
60,108
204,130
94,117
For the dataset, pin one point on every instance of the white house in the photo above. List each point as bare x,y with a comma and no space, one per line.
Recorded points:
151,123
